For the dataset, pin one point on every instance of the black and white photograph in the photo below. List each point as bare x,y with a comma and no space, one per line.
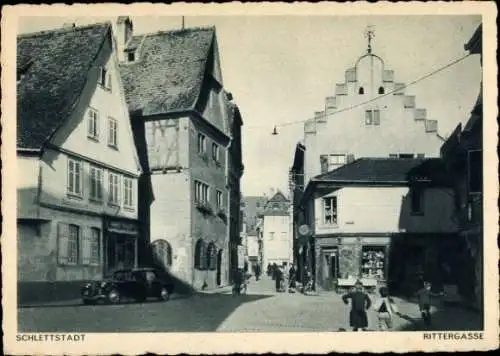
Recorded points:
181,172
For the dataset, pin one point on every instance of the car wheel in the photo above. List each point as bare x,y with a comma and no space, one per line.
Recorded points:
113,296
164,294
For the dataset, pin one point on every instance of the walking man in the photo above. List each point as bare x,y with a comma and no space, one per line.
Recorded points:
360,302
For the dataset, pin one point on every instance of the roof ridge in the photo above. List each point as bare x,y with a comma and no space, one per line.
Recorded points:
177,30
62,30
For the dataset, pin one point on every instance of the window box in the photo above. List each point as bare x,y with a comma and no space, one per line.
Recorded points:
204,207
222,214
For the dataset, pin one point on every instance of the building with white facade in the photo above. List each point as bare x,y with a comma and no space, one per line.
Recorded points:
77,213
277,239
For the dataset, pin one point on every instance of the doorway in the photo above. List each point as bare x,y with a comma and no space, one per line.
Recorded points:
219,268
330,269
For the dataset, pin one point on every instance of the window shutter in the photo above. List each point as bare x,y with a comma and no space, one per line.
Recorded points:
86,246
62,243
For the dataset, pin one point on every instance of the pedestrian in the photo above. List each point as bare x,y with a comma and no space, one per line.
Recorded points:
360,302
292,279
386,309
274,270
238,280
269,270
424,303
257,272
278,278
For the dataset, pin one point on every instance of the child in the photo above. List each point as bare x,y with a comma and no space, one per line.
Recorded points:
360,302
385,309
424,303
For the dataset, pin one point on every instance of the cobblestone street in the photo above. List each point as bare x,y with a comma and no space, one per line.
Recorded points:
261,310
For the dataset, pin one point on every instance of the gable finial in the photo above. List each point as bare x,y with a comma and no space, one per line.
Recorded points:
370,34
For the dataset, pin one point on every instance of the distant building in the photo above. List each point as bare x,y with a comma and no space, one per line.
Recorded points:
277,243
77,213
463,154
253,209
187,134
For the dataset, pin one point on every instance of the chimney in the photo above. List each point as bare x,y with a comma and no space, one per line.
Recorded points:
124,31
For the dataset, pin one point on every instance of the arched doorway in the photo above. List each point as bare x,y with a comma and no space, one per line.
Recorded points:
162,252
219,268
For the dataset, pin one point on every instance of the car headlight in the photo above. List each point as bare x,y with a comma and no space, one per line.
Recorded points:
103,284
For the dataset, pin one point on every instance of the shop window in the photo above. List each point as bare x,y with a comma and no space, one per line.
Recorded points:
416,200
373,262
200,255
330,210
212,256
163,252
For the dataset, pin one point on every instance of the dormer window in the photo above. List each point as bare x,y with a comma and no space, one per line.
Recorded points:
361,91
131,56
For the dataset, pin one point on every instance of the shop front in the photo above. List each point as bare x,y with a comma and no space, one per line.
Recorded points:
121,243
341,260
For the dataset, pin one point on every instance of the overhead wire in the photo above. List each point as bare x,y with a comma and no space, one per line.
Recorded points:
327,116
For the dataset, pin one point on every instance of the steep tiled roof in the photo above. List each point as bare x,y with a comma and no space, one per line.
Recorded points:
53,66
387,170
169,72
278,197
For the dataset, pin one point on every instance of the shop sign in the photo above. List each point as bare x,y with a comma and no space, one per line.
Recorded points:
123,227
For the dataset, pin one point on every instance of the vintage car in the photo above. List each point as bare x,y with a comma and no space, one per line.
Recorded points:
134,283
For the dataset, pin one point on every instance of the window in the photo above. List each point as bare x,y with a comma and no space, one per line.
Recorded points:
393,155
271,236
95,183
201,143
330,210
406,155
373,262
93,124
372,117
201,192
128,197
211,257
381,90
361,91
331,162
416,200
420,155
114,188
68,249
104,78
74,177
162,252
475,170
200,255
215,152
95,244
112,132
220,203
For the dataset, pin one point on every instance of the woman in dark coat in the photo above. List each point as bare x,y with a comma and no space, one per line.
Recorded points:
360,302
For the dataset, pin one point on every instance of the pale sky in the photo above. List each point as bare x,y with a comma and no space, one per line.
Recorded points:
281,68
